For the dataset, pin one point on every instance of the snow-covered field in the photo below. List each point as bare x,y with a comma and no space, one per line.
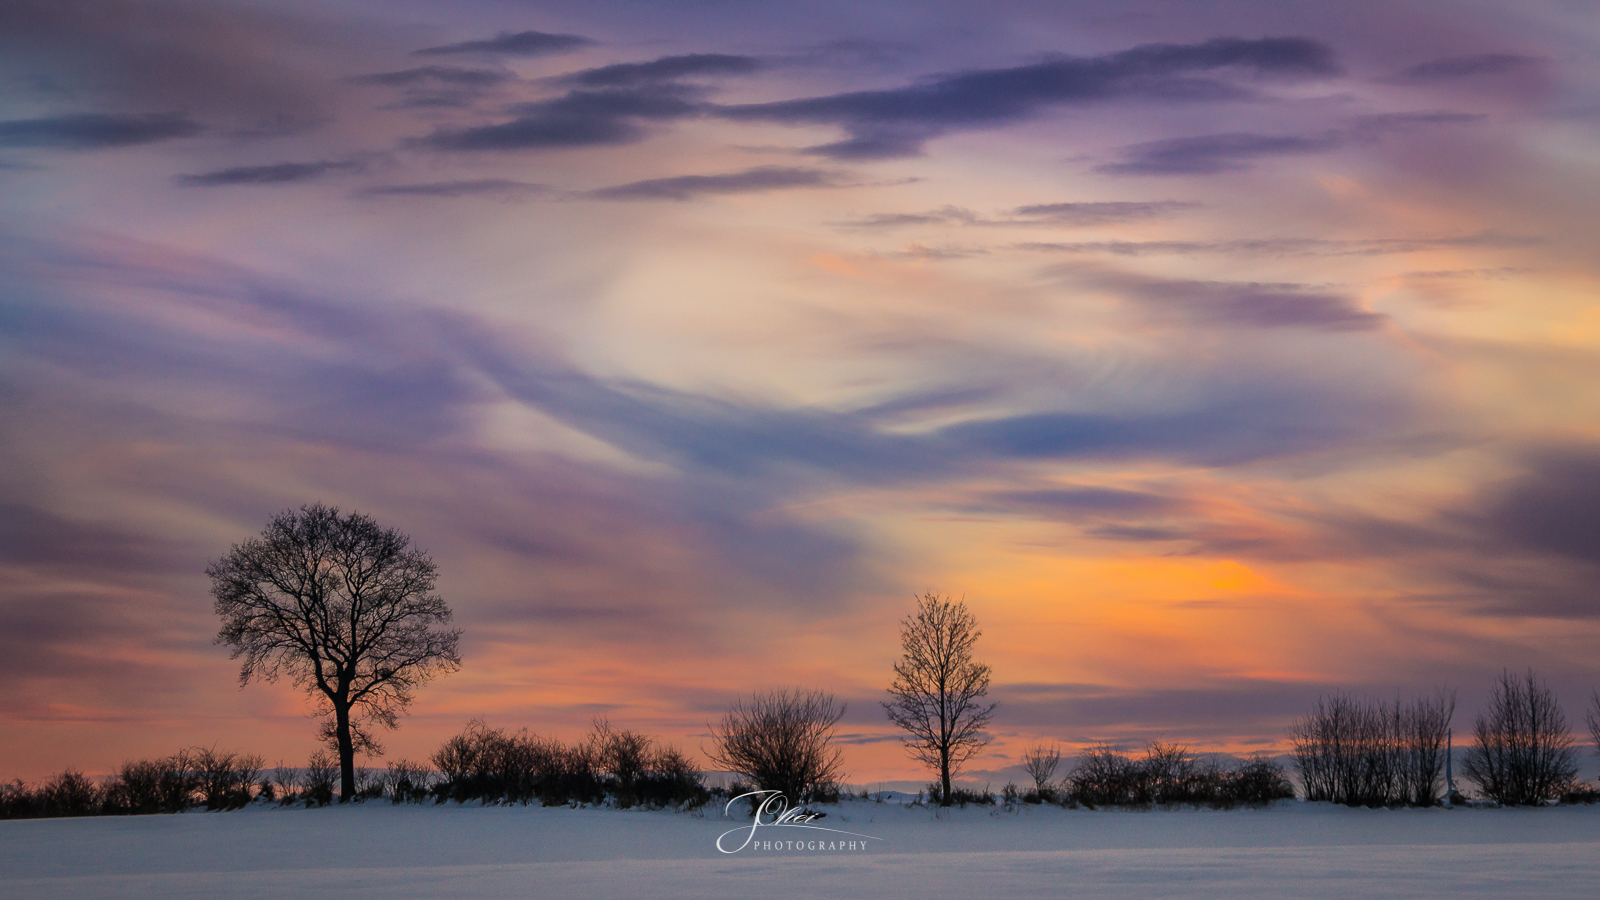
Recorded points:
379,850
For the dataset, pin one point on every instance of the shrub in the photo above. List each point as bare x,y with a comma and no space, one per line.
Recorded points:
70,794
783,741
136,789
178,782
18,802
1522,753
671,779
225,779
958,796
321,774
492,766
1169,775
287,783
1105,777
1040,763
624,755
407,781
1369,752
1257,781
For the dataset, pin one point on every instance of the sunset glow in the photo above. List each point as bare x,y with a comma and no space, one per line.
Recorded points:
1217,355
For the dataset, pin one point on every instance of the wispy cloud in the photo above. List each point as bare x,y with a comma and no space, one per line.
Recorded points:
688,187
1213,154
507,43
276,173
499,187
439,86
667,68
1082,214
577,119
451,75
1287,246
1240,304
898,121
84,131
1454,67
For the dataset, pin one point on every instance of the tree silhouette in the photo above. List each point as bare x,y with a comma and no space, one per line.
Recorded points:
346,609
783,741
1522,753
937,689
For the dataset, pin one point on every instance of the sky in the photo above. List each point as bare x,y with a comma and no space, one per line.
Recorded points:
1217,355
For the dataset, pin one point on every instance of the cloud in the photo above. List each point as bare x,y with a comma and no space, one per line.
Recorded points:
521,43
1137,533
1071,503
1454,67
667,68
1079,214
1099,213
1287,246
1219,710
450,75
1553,508
687,187
1215,153
502,187
898,121
1212,154
577,119
278,173
1248,304
38,539
94,130
947,215
438,86
1370,127
923,251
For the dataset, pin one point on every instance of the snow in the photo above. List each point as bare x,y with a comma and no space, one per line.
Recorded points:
397,852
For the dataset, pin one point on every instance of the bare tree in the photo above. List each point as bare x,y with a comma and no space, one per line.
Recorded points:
782,741
1170,771
1522,753
626,755
1593,718
1370,752
1040,763
1424,727
938,689
346,609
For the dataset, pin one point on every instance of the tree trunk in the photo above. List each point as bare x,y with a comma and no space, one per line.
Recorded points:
944,774
347,753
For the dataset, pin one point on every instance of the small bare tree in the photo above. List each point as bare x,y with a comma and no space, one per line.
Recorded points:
1040,763
345,608
1424,727
782,741
938,689
1169,772
1594,719
624,754
1364,751
1522,753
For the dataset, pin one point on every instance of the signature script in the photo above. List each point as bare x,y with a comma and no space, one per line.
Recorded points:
773,811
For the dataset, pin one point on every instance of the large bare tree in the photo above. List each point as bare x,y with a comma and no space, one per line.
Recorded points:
938,690
346,609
